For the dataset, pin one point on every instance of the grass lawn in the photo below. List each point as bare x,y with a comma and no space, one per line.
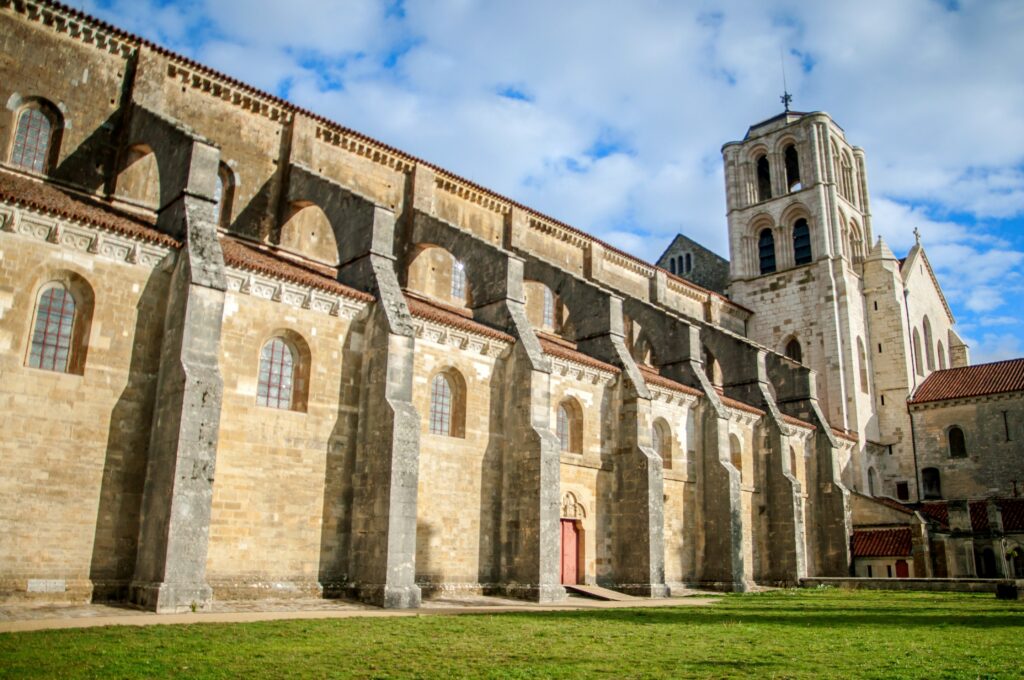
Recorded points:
782,634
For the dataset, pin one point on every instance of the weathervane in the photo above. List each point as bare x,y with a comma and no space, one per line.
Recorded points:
786,97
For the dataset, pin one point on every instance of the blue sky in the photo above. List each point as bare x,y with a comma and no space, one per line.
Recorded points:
611,115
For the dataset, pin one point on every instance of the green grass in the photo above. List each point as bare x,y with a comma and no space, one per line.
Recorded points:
783,634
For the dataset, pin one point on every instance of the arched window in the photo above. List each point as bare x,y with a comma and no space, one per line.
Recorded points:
672,264
794,351
568,425
764,179
929,346
846,178
792,168
872,482
447,404
224,194
941,353
689,263
766,251
661,440
957,442
36,137
277,375
918,364
735,452
52,333
801,242
712,369
549,308
458,279
931,482
862,362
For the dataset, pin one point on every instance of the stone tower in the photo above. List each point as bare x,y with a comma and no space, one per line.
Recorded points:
799,232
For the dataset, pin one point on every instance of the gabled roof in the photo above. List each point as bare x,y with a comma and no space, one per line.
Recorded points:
882,542
971,381
907,268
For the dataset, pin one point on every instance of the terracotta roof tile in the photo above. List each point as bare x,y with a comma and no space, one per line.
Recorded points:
558,350
972,381
653,377
737,404
844,434
242,255
49,198
979,516
936,511
424,309
1012,510
882,542
796,421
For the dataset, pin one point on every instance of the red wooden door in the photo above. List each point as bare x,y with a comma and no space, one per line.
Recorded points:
570,551
902,570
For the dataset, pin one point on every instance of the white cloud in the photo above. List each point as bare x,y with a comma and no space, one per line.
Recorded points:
994,347
934,95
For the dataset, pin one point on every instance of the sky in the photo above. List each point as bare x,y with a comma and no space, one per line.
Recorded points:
610,115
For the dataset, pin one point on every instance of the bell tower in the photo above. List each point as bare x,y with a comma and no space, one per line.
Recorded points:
799,232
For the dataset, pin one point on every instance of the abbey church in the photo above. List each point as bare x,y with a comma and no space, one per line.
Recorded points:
247,352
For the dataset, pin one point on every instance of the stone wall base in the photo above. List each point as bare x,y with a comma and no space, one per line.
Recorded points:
960,585
171,598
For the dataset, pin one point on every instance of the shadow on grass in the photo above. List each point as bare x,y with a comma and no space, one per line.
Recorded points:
792,616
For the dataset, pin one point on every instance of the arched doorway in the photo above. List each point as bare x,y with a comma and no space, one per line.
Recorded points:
573,515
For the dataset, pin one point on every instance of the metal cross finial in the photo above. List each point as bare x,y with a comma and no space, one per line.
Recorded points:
917,235
786,99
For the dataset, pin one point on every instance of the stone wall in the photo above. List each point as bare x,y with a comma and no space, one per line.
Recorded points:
994,445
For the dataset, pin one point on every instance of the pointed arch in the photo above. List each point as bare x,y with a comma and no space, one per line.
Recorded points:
862,365
929,345
918,363
736,452
940,352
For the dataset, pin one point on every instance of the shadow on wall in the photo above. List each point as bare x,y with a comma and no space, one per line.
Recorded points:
124,471
491,471
336,526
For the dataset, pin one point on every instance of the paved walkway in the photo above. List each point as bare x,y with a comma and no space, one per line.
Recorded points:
19,618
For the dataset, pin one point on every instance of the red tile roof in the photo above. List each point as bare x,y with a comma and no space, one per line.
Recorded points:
653,377
936,511
844,434
796,421
882,542
53,200
972,381
429,310
250,256
562,352
736,403
1012,510
979,516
